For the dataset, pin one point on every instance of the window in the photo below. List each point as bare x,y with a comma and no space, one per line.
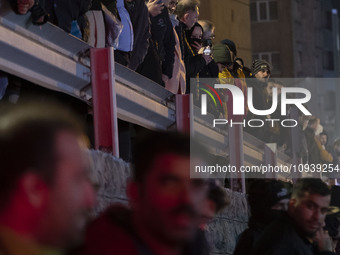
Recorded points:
275,61
272,58
265,56
263,11
253,12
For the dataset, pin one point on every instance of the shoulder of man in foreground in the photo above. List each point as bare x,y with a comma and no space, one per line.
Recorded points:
111,233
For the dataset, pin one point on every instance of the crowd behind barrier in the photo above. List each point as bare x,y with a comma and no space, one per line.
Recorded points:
165,41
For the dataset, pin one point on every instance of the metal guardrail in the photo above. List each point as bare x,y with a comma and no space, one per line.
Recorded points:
44,55
49,57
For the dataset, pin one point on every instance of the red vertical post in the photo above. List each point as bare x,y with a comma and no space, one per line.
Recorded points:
184,113
237,183
104,100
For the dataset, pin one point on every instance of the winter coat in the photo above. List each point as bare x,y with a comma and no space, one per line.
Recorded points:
114,233
313,151
227,78
63,12
163,35
139,16
283,237
193,63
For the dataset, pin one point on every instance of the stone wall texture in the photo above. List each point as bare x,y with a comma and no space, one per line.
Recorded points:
110,175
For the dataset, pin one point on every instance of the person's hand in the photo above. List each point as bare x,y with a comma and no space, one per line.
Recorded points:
200,51
196,46
24,6
40,20
207,58
154,7
324,241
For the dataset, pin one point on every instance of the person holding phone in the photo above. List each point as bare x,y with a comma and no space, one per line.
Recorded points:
200,45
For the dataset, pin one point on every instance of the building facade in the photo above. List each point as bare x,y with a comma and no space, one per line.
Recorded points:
232,21
298,37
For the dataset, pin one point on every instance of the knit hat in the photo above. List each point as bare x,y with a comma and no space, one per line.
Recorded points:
221,53
259,65
264,193
231,45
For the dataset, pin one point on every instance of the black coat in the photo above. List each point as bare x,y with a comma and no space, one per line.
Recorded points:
259,103
282,237
63,12
257,225
313,150
139,16
111,5
193,63
162,34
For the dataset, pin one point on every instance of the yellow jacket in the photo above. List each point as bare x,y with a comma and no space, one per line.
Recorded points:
226,77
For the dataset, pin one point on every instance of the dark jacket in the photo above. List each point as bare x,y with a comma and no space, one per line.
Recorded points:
193,63
209,71
259,98
111,5
256,227
162,34
259,103
313,151
139,16
282,237
113,233
63,12
161,52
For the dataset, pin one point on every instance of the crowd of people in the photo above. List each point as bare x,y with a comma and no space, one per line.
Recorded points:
160,39
165,41
47,197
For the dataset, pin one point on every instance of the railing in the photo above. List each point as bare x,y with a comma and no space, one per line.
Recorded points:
49,57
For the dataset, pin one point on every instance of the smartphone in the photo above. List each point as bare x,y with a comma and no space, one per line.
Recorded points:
207,51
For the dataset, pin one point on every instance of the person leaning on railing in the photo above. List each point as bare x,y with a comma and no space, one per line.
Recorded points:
39,15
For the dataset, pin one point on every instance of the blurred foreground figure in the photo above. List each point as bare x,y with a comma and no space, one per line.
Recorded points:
216,200
45,195
165,203
301,230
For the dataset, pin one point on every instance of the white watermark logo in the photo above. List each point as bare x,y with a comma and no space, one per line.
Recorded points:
239,107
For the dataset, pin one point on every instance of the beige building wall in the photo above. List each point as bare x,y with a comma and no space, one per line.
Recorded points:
232,21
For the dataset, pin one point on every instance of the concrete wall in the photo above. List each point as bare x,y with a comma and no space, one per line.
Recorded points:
232,21
110,175
228,224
